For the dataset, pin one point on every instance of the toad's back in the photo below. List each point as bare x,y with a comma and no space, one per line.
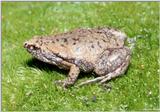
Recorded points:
84,44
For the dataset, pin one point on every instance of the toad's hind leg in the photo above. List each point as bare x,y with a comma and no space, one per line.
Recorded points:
111,64
121,70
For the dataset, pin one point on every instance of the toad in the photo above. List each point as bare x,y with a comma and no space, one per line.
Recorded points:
98,50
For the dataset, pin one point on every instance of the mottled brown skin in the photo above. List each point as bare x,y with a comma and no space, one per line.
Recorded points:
99,50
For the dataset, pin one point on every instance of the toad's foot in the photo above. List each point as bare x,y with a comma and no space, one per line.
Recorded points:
121,70
72,77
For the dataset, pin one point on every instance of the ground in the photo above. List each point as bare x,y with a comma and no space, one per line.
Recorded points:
27,84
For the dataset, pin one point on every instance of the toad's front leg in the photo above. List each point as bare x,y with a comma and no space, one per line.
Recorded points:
72,76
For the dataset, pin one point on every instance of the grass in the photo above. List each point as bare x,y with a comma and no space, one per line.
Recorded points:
27,84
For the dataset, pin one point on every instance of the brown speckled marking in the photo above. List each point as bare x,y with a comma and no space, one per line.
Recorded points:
65,40
74,43
104,40
98,43
75,39
57,40
92,46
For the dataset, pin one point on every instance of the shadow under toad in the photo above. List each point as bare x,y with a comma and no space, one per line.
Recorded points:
35,63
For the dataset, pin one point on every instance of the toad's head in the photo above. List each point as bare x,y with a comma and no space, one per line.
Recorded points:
33,45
